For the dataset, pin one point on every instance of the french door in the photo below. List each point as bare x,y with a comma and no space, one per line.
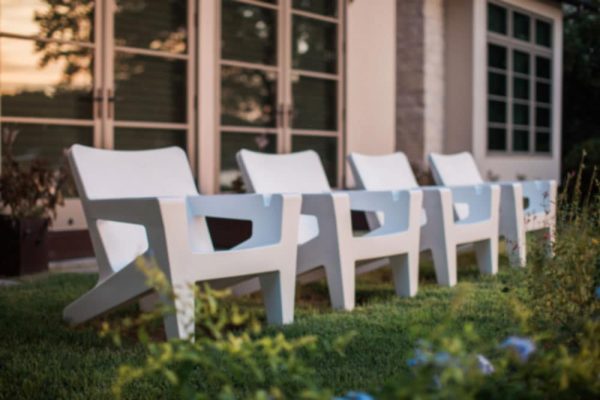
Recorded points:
281,86
111,73
106,73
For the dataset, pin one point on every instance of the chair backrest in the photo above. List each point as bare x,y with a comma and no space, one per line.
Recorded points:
385,172
108,174
300,172
454,169
111,174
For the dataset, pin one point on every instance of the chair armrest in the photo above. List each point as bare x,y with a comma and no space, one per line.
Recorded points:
272,216
398,207
541,195
132,210
481,199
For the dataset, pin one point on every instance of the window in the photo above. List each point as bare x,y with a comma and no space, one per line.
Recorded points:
519,88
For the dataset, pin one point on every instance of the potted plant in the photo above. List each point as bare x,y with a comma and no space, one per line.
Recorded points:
29,194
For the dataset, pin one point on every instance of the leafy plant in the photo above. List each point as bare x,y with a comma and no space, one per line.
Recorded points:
229,347
562,288
33,189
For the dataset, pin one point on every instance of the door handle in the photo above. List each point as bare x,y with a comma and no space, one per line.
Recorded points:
111,103
98,99
291,113
279,115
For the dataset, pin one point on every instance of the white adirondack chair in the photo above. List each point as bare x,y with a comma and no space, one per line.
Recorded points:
326,237
441,231
516,218
146,203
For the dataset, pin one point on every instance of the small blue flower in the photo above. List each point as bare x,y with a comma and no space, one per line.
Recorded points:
441,358
419,358
485,366
524,347
597,292
355,396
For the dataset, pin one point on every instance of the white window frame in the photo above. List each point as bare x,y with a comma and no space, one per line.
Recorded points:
510,43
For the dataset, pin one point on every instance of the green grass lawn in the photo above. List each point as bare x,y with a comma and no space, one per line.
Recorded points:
41,357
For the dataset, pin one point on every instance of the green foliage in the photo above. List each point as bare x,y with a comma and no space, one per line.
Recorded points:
229,358
561,357
581,78
449,367
34,189
562,288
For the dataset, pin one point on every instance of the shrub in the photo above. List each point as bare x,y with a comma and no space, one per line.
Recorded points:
563,288
34,189
229,358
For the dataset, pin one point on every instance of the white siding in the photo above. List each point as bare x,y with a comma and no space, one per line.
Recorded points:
371,77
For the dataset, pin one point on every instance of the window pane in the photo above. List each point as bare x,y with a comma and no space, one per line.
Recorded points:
496,19
150,88
164,26
542,92
497,84
496,139
140,139
543,67
520,114
48,19
232,142
47,141
315,103
248,97
542,117
520,140
248,33
542,142
520,62
521,26
326,147
521,88
497,56
314,45
497,111
543,33
58,88
325,7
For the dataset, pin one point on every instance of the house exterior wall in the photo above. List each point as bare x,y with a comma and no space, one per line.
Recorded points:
466,91
458,66
371,78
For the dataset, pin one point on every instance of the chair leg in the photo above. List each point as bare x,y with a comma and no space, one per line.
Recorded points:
126,285
516,247
444,260
149,302
247,287
180,323
405,271
341,281
550,235
486,252
279,289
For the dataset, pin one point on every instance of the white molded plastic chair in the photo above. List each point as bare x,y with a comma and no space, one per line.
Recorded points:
516,218
326,238
146,203
441,231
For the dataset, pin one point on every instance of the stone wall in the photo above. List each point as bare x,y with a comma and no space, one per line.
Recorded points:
419,77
